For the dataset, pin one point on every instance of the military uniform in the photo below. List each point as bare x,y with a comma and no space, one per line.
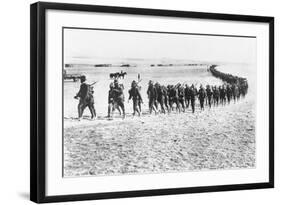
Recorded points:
152,96
222,95
193,93
136,96
118,96
160,97
166,97
228,93
201,96
173,97
86,99
111,104
187,96
216,95
209,95
181,97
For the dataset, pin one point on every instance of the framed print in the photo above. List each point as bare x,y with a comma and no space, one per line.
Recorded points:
129,102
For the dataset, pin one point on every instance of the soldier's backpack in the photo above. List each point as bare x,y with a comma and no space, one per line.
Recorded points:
90,93
90,90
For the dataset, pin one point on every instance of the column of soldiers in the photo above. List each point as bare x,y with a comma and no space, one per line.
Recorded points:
164,99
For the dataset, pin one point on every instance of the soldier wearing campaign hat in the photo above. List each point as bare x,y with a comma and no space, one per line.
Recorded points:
86,98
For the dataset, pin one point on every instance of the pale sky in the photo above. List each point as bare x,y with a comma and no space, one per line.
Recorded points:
88,45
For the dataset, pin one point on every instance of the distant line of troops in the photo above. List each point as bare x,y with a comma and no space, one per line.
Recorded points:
163,98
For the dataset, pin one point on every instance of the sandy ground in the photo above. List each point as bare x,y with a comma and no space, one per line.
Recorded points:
217,138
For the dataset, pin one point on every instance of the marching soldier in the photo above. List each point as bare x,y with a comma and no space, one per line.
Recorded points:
118,96
222,94
193,93
110,100
86,98
216,95
187,95
201,96
181,96
136,96
160,97
111,104
209,95
166,97
228,93
152,96
173,97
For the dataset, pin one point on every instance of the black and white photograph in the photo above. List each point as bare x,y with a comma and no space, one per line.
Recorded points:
150,102
134,102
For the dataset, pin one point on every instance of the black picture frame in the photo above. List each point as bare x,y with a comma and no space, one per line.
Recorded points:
38,100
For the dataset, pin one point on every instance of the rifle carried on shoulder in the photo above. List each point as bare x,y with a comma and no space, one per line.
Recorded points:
93,83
